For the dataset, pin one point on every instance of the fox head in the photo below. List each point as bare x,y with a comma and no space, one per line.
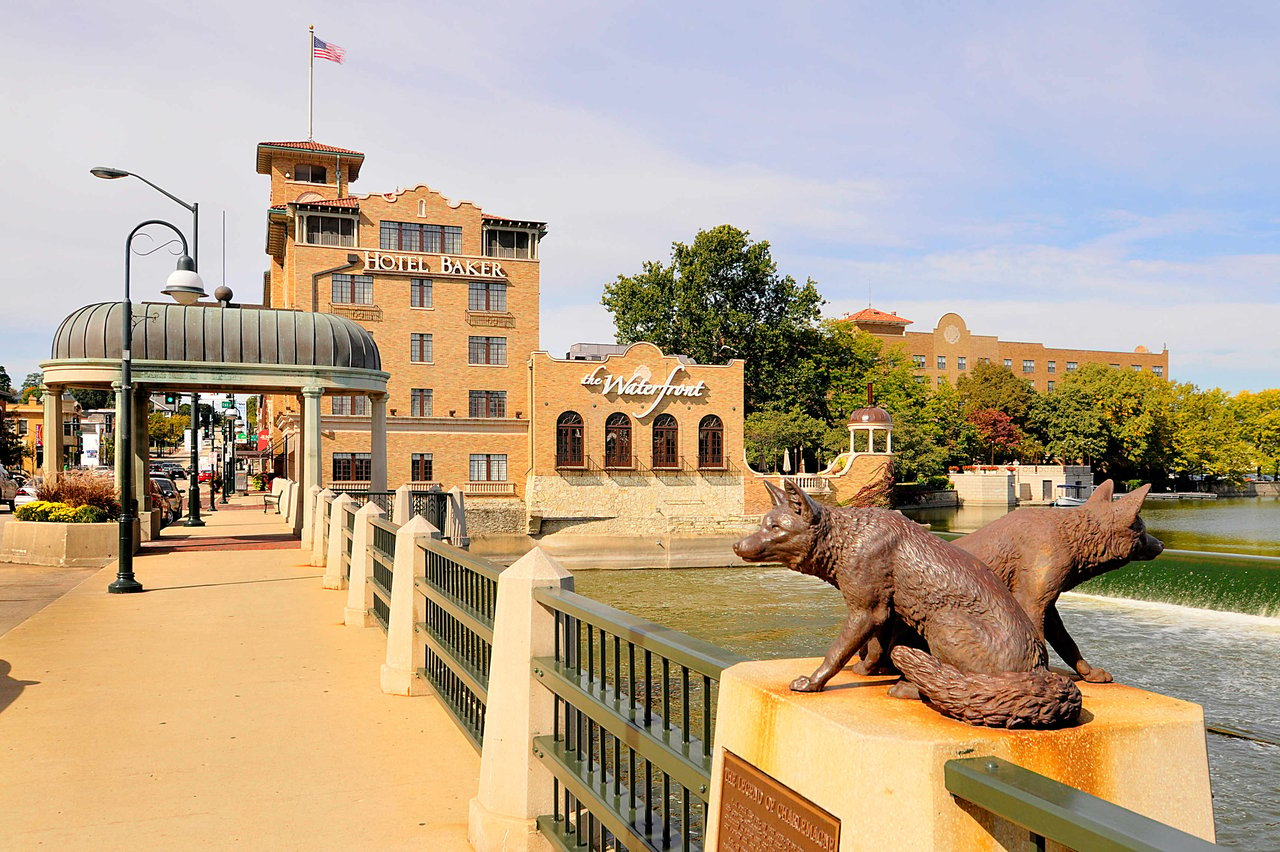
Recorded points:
787,531
1125,532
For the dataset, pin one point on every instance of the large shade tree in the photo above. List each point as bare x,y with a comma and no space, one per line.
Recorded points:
722,297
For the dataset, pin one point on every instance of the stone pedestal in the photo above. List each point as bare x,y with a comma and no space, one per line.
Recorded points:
876,763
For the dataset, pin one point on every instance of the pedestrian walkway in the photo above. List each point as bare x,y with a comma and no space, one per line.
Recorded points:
227,705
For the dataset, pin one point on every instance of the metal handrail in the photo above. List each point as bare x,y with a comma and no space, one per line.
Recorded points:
1054,811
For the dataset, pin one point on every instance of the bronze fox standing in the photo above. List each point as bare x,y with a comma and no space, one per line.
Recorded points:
1041,553
986,664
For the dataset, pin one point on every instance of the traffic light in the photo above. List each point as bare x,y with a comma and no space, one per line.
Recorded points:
171,399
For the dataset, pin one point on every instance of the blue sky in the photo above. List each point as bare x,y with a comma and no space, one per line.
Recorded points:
1079,174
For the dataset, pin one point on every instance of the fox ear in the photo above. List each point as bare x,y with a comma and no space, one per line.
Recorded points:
801,503
1102,494
1130,504
776,494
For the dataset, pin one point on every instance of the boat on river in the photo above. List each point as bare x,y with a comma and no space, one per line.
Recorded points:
1072,495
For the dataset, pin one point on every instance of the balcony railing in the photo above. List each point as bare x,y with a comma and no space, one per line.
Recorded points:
489,489
492,319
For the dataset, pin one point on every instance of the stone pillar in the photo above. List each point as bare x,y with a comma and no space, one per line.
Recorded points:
515,788
320,532
307,517
406,653
456,526
378,442
52,430
359,592
334,576
309,453
400,508
118,433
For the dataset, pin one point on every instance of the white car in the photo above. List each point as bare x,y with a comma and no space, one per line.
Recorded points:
8,489
26,494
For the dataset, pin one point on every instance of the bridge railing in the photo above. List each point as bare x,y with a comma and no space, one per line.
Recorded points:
382,549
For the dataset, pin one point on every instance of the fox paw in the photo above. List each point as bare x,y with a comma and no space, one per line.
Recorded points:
805,684
1096,675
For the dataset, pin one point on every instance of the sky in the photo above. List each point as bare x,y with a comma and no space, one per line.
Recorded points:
1092,175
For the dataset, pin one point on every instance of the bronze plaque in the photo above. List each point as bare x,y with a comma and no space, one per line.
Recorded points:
757,814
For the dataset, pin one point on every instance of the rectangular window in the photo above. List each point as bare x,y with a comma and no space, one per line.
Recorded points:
920,379
1048,385
962,363
22,428
1137,368
942,362
1028,366
1008,363
420,349
320,230
1072,366
487,296
516,244
352,289
1052,366
349,405
307,173
488,404
70,427
488,467
984,360
352,467
412,236
420,292
940,381
1114,366
918,360
1158,370
420,402
487,350
420,468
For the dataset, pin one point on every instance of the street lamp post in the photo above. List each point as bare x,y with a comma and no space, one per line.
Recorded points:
183,278
193,478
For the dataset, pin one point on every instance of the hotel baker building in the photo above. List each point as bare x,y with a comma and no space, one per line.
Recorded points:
450,294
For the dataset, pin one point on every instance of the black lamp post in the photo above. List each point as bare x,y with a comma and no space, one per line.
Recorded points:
182,280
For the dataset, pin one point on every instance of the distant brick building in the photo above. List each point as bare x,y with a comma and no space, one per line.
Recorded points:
951,350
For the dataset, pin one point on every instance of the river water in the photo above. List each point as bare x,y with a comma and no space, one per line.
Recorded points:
1165,626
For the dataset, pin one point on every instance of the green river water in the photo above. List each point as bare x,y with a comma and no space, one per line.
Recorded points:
1193,625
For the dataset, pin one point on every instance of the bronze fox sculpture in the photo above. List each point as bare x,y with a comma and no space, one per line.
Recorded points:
985,663
1041,553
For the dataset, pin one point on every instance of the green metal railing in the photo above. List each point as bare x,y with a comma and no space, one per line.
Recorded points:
635,708
461,592
384,500
1057,812
432,505
383,550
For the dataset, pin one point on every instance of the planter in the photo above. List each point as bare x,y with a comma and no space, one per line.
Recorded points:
61,545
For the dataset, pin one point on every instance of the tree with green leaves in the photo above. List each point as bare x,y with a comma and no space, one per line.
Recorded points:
30,390
1259,417
771,433
930,437
1070,426
1136,409
997,433
721,297
1206,438
991,386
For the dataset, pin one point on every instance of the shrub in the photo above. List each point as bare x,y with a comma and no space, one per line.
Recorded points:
82,489
1132,484
60,513
938,483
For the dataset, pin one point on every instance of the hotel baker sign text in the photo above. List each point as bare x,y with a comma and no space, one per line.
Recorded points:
639,385
381,262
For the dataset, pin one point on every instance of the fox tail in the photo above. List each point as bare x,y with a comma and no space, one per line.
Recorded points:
1036,699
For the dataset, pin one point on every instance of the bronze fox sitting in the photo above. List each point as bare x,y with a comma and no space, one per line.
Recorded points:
985,663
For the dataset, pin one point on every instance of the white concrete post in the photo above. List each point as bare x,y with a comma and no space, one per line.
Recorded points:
378,442
295,498
406,653
286,498
278,487
52,437
400,509
320,532
310,457
456,523
359,592
308,515
333,578
515,788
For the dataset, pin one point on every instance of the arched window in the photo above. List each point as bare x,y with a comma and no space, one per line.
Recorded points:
569,440
711,442
617,441
666,442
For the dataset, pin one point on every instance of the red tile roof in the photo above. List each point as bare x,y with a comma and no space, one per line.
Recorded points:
265,148
333,202
311,146
873,315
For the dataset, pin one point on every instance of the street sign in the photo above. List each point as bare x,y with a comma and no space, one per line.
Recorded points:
228,403
240,436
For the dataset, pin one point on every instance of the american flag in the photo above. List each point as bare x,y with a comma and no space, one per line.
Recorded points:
325,50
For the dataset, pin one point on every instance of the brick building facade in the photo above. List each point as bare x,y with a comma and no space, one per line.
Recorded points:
950,350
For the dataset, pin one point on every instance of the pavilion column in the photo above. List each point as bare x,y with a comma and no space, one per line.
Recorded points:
141,448
52,398
378,443
310,450
118,434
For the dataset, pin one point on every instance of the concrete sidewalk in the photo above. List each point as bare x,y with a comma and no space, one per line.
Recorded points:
225,706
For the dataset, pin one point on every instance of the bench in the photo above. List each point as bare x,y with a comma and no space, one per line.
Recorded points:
269,500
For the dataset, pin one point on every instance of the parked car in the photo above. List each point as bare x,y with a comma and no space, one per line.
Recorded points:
26,494
8,489
206,476
174,470
170,496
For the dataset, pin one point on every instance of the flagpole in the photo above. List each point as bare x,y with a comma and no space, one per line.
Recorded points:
311,64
